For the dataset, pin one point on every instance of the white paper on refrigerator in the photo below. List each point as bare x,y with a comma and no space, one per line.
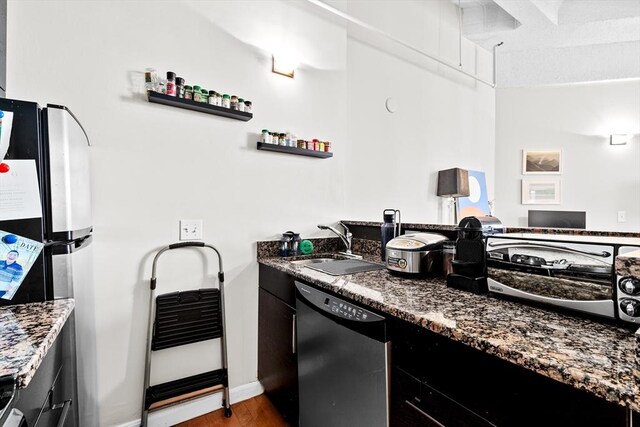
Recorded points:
19,191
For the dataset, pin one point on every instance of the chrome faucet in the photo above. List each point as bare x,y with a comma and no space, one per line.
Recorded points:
346,238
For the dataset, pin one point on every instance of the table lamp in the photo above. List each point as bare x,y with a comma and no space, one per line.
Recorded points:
453,183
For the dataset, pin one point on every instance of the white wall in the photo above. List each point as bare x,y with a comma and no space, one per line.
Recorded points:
153,165
443,120
578,119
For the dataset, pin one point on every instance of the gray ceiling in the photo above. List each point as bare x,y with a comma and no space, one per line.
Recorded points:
557,41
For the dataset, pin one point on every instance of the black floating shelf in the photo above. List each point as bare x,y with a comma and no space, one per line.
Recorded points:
161,98
293,150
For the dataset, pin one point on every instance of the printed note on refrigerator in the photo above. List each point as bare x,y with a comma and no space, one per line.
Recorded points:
19,191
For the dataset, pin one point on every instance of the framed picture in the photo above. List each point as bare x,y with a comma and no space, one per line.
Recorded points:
543,192
542,162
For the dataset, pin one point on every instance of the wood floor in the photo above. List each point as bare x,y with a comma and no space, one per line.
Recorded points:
255,412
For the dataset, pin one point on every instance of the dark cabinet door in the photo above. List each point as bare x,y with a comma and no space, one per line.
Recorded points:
51,393
277,361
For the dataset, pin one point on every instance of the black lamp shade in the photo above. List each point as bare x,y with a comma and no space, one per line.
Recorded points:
453,183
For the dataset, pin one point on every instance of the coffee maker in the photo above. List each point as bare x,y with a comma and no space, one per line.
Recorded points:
469,263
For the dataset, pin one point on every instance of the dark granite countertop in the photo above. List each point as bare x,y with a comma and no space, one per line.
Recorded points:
507,229
27,331
597,357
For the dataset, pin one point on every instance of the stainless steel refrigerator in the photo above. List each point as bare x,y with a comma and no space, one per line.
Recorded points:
55,140
52,139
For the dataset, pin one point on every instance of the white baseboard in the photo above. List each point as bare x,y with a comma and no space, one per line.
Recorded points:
196,407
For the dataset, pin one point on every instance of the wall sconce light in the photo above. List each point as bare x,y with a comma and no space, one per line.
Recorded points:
283,65
618,139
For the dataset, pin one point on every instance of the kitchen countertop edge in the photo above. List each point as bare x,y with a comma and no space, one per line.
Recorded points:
43,334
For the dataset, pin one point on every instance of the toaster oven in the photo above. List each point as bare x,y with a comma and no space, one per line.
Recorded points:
569,271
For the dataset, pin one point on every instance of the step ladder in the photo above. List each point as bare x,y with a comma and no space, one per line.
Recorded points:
180,318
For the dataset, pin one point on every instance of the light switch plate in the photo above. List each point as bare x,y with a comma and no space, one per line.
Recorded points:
622,216
190,229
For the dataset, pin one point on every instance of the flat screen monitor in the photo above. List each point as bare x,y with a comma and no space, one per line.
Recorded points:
558,219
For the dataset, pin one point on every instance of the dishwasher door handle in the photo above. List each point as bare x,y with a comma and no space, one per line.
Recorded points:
293,335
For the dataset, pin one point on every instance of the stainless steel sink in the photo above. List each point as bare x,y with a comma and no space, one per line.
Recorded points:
340,267
312,261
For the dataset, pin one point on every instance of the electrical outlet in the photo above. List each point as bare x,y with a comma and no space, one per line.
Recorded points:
190,229
622,216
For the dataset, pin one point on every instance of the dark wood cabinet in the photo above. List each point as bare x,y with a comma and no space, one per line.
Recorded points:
460,386
277,361
50,398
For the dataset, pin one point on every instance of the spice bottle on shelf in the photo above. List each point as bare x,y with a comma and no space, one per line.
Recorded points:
188,92
301,144
234,102
171,83
197,93
241,104
309,145
282,139
180,87
315,144
205,95
327,146
212,97
226,101
247,106
321,146
266,138
150,79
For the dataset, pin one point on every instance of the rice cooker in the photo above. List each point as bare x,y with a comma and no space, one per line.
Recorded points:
416,253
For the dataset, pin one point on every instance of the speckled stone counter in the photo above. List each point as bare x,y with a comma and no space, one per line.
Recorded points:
507,229
27,331
628,264
597,357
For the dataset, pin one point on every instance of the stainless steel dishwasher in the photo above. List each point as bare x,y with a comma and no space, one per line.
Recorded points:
343,362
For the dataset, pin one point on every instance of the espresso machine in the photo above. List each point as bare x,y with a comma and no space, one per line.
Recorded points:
469,263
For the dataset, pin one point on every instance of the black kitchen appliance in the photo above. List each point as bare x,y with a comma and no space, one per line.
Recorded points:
469,263
343,361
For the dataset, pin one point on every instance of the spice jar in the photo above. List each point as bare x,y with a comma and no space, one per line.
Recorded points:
327,146
226,102
188,92
241,104
212,97
321,146
180,87
197,93
301,144
205,96
170,87
150,79
266,138
315,145
282,139
234,102
309,145
247,106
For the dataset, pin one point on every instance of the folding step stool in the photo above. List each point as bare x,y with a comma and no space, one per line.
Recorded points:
180,318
